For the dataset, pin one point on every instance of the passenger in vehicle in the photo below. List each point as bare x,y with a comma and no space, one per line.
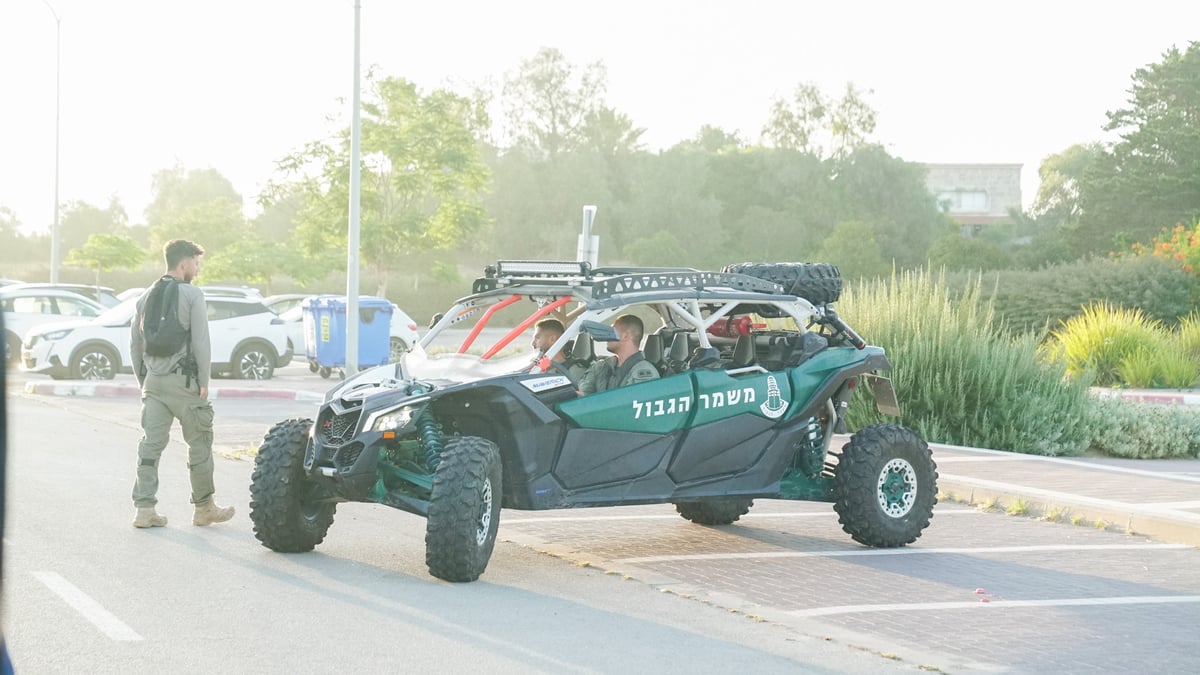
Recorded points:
545,333
627,365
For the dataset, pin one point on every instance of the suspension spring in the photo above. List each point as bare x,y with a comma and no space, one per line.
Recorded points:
810,457
431,439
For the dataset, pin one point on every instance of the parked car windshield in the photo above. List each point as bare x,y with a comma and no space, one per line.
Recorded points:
119,315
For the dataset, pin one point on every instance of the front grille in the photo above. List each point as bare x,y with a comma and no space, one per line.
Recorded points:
337,429
347,456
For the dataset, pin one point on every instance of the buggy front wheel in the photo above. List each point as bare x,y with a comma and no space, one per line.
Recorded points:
885,486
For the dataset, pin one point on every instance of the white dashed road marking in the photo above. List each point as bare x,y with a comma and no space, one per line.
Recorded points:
871,552
91,610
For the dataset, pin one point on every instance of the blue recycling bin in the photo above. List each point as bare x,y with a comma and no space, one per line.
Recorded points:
324,319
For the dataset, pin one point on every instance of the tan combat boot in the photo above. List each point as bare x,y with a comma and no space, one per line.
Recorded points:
148,517
207,513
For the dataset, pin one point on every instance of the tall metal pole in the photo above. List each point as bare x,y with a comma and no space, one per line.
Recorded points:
355,212
55,234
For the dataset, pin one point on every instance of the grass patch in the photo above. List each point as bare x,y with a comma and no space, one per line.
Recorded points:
1017,508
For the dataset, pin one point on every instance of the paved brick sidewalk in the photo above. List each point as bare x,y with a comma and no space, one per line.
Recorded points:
1156,498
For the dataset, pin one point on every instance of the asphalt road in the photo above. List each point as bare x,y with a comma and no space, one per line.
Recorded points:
633,589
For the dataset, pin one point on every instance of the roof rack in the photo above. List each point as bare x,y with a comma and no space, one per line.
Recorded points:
605,282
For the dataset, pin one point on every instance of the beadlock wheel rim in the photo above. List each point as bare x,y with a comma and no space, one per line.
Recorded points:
485,515
897,488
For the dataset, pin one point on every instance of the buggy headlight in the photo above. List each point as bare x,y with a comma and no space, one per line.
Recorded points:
396,418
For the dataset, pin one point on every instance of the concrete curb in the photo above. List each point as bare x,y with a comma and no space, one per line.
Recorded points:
1163,524
132,391
1150,396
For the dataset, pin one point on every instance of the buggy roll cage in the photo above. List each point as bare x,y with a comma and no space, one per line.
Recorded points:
674,293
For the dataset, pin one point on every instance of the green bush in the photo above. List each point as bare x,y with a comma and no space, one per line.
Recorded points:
1187,336
1103,339
1043,299
1176,369
1144,431
959,377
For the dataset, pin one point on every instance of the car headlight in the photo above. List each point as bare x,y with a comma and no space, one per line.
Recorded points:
395,420
58,334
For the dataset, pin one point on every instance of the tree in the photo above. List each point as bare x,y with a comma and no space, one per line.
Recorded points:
1058,199
10,232
422,179
795,124
548,103
611,133
852,247
813,124
107,252
956,252
197,204
890,194
851,122
1150,179
80,220
712,140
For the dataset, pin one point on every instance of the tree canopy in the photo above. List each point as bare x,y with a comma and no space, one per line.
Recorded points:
1150,178
422,178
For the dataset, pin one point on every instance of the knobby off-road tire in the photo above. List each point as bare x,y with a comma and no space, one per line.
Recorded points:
283,519
885,486
464,509
819,283
714,511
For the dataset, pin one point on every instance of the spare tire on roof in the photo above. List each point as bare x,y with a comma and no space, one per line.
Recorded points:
819,283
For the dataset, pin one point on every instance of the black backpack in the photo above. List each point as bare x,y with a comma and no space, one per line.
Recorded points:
161,331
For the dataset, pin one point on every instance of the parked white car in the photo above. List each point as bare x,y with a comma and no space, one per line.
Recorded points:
248,341
403,332
101,294
27,308
285,301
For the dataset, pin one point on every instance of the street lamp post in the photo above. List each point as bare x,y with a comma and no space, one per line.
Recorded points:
55,235
352,243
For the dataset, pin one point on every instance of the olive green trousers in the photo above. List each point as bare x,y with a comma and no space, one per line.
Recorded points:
166,398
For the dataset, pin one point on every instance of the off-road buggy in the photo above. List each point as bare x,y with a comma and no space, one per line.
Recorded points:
757,371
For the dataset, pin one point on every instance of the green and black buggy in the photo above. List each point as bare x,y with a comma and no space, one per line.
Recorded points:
757,371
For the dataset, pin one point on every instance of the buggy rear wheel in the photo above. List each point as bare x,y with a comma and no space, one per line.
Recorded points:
464,509
721,511
885,486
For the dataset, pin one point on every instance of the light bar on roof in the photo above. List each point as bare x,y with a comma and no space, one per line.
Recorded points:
508,268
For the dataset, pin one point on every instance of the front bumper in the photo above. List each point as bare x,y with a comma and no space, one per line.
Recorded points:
42,360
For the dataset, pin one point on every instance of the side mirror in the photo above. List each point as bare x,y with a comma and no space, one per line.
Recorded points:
600,331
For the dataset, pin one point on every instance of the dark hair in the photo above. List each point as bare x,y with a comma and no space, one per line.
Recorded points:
634,324
178,250
552,325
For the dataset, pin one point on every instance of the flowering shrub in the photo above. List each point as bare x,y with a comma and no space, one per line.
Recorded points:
1180,245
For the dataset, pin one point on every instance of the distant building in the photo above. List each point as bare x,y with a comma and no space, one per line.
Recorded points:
975,195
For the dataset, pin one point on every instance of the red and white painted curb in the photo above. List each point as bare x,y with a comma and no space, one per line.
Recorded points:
130,390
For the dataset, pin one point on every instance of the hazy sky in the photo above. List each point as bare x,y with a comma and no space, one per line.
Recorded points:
236,84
